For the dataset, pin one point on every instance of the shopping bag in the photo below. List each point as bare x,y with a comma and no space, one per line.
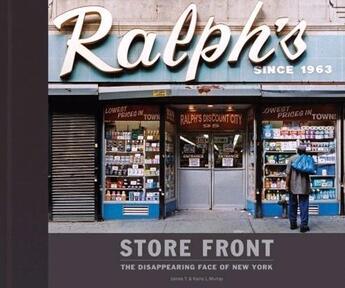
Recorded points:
304,164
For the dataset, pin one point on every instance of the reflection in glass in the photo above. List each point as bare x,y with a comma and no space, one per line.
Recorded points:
228,151
194,150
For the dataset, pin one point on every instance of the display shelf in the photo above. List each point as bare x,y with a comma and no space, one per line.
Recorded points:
323,201
124,164
276,189
130,202
322,176
274,176
125,189
270,201
275,164
322,188
280,152
310,201
295,139
124,152
137,142
118,176
318,139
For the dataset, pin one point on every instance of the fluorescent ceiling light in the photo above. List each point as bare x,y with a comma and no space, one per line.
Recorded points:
187,141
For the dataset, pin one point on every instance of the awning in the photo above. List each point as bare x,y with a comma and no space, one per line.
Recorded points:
72,89
145,91
180,90
303,90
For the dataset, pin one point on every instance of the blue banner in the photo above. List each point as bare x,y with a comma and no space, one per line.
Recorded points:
323,61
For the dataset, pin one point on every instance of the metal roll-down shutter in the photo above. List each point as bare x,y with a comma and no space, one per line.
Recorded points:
73,176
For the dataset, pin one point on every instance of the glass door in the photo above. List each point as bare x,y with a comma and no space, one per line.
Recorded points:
228,172
211,170
194,172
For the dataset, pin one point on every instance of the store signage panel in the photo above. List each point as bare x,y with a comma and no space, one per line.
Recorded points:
301,112
211,121
131,113
257,54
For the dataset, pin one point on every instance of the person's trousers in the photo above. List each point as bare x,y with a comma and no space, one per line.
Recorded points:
303,201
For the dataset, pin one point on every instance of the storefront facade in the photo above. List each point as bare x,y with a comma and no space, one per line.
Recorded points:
187,119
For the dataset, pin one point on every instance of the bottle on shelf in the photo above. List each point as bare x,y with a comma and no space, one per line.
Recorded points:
108,196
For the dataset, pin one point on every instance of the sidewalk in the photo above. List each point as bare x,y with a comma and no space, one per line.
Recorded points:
201,221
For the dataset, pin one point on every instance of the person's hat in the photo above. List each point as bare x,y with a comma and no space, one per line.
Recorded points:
301,148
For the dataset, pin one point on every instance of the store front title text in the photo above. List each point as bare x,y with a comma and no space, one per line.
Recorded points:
174,53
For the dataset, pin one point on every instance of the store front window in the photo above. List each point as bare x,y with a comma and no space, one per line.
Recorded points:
131,161
284,128
170,162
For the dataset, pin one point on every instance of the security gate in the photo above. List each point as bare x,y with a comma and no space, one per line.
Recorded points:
73,186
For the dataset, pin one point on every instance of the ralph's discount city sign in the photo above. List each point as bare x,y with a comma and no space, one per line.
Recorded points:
185,52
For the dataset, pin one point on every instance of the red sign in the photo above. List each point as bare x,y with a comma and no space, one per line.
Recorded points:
131,113
211,120
299,112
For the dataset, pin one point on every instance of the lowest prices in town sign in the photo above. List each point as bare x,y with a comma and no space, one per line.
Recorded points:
300,113
257,54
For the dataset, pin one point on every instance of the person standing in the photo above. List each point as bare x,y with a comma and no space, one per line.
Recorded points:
298,185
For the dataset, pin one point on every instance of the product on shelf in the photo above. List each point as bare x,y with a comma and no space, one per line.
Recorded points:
152,196
322,182
295,131
280,146
154,160
169,166
136,196
277,159
324,194
151,183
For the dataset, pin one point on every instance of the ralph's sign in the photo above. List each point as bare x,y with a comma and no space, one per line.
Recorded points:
211,121
174,53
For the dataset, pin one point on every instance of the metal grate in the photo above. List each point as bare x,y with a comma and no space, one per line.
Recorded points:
138,211
313,209
73,167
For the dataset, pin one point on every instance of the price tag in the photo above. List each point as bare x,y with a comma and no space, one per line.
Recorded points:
135,166
194,162
228,162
